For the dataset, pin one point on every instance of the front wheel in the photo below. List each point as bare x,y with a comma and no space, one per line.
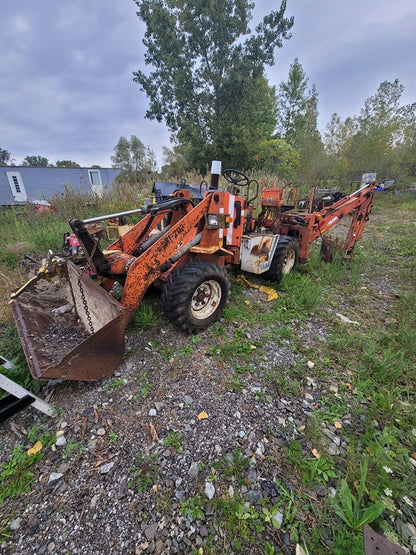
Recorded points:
195,295
285,258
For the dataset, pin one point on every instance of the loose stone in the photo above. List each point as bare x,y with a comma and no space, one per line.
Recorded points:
209,490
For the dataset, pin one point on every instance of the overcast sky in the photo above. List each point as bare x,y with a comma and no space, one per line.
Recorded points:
66,84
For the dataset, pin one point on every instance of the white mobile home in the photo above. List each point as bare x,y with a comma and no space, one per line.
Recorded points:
21,184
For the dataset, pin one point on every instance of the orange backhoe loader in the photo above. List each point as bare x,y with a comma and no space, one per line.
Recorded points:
75,329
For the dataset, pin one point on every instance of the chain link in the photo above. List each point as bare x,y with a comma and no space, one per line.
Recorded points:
84,302
81,289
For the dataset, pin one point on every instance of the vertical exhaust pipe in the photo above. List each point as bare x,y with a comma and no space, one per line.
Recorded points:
215,174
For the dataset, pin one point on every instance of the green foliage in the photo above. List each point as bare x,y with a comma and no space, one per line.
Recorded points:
241,520
24,231
146,385
173,439
380,138
36,161
144,317
318,470
192,508
135,160
237,349
292,104
113,384
236,383
276,156
144,472
5,157
208,82
232,465
297,123
350,507
175,162
333,407
11,349
73,448
36,433
15,476
66,164
5,534
287,381
167,352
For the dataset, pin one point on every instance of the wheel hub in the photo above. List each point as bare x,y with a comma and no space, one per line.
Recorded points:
289,262
205,299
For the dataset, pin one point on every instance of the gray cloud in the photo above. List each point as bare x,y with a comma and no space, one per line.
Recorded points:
348,48
66,88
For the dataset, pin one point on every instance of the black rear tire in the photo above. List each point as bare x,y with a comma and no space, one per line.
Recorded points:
285,258
195,295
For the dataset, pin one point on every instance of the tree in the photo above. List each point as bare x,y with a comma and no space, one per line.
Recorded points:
36,161
66,164
134,158
380,139
379,130
337,139
5,157
175,161
291,104
311,148
406,148
298,122
277,157
208,74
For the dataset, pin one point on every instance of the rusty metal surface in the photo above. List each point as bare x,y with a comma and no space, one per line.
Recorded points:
95,357
375,544
257,252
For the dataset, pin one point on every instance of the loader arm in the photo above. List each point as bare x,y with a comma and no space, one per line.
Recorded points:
129,244
157,258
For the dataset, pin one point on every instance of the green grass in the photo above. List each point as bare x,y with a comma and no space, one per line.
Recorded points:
11,349
24,231
144,316
16,478
143,473
174,439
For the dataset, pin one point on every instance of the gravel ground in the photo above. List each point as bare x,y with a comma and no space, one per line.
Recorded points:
131,449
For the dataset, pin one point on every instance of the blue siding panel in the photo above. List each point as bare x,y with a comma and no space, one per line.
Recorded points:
43,183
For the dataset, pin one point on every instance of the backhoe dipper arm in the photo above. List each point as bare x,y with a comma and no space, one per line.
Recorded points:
359,220
361,202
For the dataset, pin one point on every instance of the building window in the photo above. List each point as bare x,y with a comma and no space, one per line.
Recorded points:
95,177
16,186
95,182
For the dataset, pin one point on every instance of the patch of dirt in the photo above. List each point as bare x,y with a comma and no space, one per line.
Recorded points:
51,320
61,337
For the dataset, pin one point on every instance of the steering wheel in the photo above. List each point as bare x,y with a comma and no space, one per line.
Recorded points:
236,178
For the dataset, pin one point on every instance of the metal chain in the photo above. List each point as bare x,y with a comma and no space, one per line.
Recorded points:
84,302
81,289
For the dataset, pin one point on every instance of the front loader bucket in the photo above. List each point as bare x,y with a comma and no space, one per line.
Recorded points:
63,346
